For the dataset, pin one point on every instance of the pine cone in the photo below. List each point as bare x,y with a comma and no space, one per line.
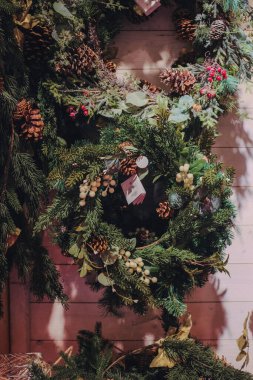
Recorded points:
23,109
179,81
128,166
29,120
164,210
37,43
1,84
99,244
146,85
218,29
186,28
80,61
111,66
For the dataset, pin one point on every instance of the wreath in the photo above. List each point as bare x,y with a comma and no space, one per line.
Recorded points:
138,200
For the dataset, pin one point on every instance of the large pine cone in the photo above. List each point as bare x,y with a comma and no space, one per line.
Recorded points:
186,28
164,210
128,166
29,120
179,81
218,29
99,244
37,43
80,61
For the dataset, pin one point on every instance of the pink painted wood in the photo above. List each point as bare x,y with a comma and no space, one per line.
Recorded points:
218,310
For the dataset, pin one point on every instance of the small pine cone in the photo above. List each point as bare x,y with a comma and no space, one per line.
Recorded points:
146,85
111,66
186,28
179,81
128,166
218,29
1,84
164,210
23,110
29,120
99,244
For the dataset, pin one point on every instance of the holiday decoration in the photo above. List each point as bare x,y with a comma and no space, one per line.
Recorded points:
128,166
98,244
186,28
148,6
164,210
29,119
179,81
138,200
218,29
79,61
185,177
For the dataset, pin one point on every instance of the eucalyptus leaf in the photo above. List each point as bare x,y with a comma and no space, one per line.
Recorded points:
62,10
74,250
143,174
104,280
177,117
137,99
185,102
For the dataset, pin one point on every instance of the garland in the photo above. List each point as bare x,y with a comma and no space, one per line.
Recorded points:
139,199
175,357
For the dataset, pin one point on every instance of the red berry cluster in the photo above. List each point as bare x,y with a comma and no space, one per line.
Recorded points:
215,74
84,110
72,111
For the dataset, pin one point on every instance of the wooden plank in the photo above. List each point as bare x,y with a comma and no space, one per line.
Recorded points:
74,286
234,132
4,324
224,288
213,320
52,322
19,319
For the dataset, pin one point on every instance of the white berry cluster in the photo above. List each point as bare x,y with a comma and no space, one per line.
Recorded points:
89,188
185,176
137,265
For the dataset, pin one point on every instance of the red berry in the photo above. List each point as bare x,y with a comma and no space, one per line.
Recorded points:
210,79
72,115
219,70
212,74
224,72
218,78
209,68
202,91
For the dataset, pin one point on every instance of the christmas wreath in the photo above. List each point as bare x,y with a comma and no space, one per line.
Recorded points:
138,200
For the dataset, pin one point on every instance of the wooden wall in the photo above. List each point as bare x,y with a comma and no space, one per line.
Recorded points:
218,310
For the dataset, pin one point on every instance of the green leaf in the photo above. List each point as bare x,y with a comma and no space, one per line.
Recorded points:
137,99
143,174
177,117
62,10
185,102
74,250
104,280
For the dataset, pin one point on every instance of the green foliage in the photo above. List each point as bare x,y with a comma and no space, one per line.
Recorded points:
96,360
